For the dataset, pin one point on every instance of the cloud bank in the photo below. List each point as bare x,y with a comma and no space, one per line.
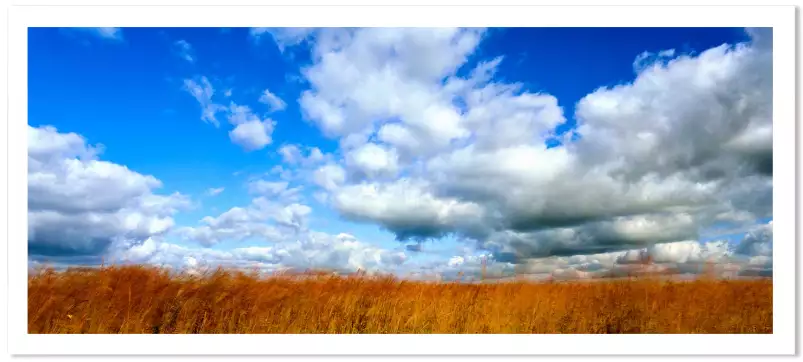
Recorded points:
429,151
431,144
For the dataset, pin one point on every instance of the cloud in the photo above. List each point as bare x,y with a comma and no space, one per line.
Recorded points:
250,132
267,187
201,89
274,103
185,51
293,155
275,189
757,242
429,152
329,176
315,250
431,143
677,259
214,191
236,224
114,34
274,215
371,160
646,59
364,75
252,135
405,207
414,247
283,37
68,217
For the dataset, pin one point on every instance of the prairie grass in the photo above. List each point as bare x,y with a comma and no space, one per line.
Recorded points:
139,299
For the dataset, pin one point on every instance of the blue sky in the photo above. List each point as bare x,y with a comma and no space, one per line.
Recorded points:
127,89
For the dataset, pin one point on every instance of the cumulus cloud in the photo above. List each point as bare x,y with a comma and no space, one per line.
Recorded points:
371,160
79,205
406,208
251,132
329,176
252,135
432,143
367,75
430,152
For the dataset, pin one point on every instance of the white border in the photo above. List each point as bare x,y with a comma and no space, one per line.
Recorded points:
782,19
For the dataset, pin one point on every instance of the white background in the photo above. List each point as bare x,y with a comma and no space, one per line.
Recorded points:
782,19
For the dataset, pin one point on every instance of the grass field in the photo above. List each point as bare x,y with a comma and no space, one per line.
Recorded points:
140,299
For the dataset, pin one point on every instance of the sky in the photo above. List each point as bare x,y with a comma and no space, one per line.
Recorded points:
546,152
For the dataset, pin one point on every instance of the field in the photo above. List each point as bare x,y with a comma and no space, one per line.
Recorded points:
140,299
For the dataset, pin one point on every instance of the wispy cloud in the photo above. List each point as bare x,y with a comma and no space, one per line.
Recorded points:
115,34
201,89
215,191
185,51
273,101
284,37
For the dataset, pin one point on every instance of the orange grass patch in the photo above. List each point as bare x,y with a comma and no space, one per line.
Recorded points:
139,299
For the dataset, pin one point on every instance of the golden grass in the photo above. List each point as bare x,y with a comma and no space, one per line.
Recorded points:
138,299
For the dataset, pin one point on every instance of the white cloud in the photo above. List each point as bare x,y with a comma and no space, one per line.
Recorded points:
293,215
329,176
293,155
202,90
380,74
252,135
314,250
689,251
267,187
275,189
371,160
686,144
274,103
214,191
426,151
283,37
250,132
456,261
115,34
185,51
284,174
68,217
268,218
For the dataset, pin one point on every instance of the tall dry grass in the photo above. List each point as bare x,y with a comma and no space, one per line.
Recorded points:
139,299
